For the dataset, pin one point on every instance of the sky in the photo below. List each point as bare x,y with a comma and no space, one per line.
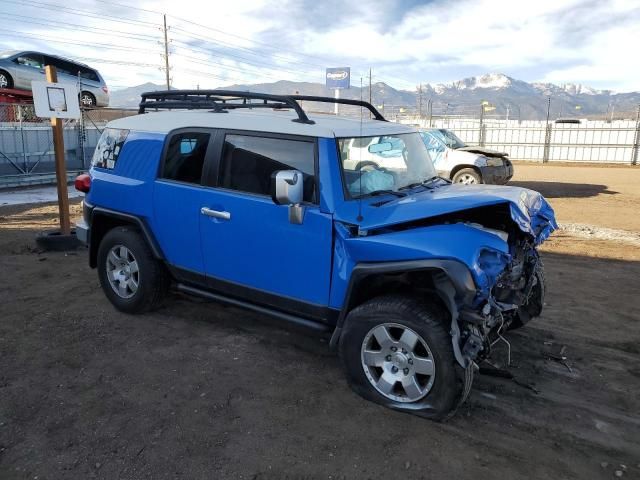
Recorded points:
217,43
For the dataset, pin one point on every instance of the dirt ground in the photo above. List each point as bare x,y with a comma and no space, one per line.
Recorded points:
196,390
594,195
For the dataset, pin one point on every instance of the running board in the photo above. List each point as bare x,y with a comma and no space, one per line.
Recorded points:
302,322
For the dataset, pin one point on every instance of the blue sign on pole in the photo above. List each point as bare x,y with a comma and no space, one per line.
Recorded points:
339,77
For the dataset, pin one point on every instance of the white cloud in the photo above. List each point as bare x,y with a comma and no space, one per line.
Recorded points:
579,41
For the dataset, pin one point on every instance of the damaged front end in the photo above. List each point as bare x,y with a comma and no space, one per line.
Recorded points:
475,248
514,284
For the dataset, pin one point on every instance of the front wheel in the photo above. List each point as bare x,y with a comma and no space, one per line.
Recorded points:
131,278
467,176
396,351
5,80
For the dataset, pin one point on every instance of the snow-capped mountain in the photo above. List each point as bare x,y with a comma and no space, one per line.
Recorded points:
506,95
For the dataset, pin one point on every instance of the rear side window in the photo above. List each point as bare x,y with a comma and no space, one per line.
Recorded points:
185,157
108,149
88,74
247,163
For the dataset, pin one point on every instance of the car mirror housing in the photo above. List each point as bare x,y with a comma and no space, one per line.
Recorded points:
287,188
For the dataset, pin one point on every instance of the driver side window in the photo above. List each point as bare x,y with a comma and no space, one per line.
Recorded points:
33,61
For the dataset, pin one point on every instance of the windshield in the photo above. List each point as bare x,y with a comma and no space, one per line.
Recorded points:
450,138
384,163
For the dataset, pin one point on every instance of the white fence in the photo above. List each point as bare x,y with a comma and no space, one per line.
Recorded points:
589,141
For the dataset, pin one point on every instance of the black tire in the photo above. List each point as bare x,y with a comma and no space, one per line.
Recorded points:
153,279
533,308
428,320
87,100
5,80
467,174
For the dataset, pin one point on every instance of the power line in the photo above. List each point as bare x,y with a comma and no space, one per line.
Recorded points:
236,47
83,44
82,13
239,54
239,58
230,67
250,61
134,36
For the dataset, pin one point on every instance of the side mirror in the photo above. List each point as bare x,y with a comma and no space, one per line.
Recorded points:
287,188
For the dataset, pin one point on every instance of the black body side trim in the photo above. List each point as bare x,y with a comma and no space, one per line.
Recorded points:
266,300
303,322
458,274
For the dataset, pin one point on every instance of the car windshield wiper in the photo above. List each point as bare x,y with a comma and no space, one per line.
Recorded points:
423,183
375,193
436,177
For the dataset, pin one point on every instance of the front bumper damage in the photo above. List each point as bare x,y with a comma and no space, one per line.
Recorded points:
510,287
497,175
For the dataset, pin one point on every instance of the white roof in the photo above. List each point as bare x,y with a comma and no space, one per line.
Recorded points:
326,126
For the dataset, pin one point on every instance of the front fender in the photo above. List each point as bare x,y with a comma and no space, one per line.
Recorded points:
483,253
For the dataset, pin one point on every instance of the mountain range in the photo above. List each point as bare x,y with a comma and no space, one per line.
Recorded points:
502,96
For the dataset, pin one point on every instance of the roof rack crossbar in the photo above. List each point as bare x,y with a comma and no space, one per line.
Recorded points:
207,99
222,100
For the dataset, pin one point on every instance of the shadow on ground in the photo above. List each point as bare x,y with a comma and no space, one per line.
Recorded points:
565,190
196,390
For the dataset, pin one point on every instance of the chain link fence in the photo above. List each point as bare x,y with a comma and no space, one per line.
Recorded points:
26,143
27,157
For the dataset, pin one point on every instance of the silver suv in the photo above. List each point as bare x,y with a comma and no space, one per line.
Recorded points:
19,68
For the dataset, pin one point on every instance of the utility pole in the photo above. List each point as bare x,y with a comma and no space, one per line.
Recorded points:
548,108
420,101
370,90
166,52
636,141
547,135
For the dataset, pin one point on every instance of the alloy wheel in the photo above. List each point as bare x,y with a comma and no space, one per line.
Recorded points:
398,362
86,100
467,179
122,271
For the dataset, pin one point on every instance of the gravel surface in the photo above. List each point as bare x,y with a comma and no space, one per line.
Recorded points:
196,390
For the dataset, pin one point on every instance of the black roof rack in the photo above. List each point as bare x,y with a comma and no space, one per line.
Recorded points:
345,101
225,100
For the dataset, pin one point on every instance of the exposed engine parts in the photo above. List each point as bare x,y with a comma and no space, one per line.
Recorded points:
516,297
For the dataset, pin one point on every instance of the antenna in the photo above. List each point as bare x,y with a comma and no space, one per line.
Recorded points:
359,218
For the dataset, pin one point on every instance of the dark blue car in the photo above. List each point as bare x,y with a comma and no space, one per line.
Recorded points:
245,199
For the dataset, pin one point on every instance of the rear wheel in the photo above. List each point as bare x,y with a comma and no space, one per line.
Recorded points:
131,278
87,99
396,351
467,176
5,80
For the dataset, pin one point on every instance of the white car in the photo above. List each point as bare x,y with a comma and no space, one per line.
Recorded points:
464,164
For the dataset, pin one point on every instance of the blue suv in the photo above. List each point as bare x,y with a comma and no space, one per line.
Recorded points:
337,224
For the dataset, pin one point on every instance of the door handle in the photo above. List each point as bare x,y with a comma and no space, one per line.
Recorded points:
215,213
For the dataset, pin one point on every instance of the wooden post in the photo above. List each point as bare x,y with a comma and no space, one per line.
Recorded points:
61,169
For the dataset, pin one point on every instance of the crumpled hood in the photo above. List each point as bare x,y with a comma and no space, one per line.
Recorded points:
529,209
483,151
